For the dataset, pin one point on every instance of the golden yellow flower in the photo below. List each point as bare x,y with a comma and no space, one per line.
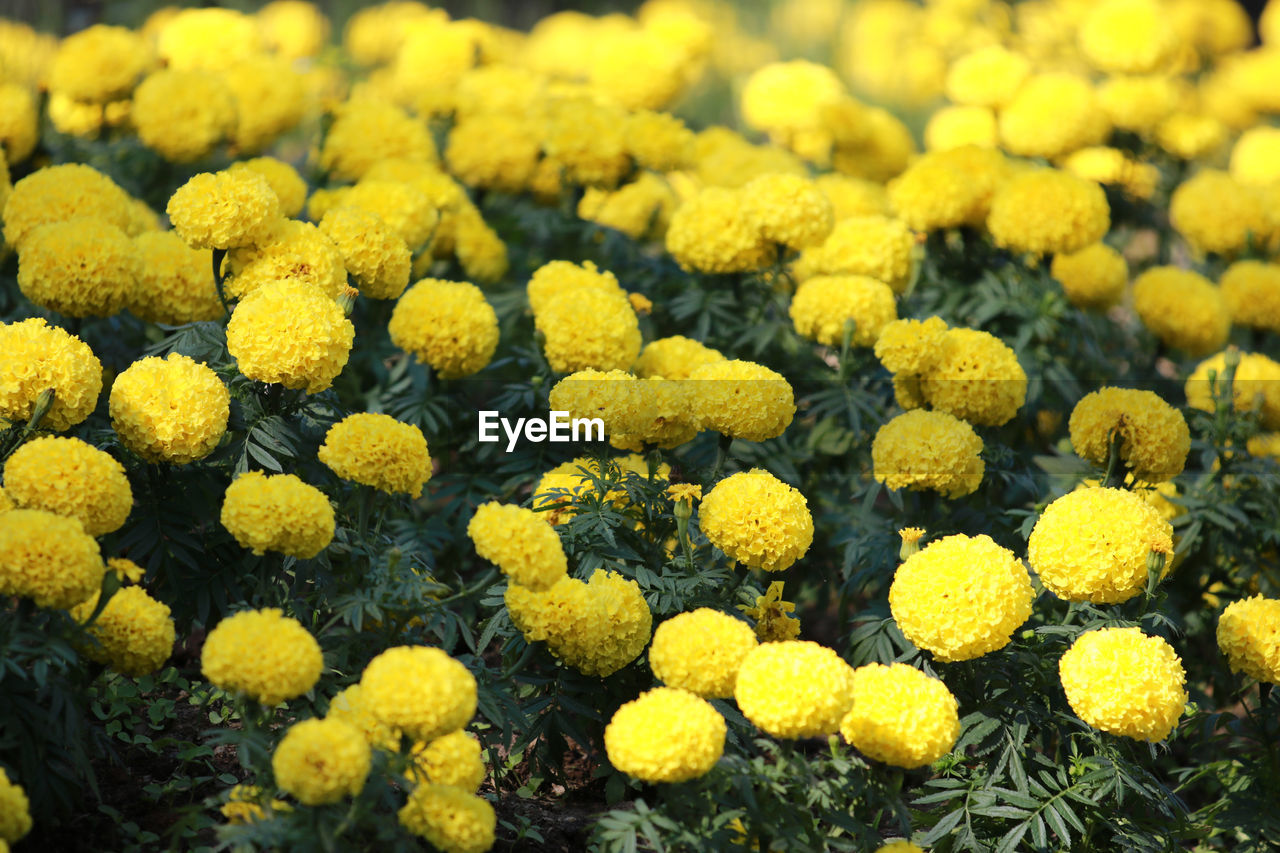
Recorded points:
1124,682
521,542
757,520
446,324
1256,383
589,328
290,251
379,451
665,735
701,651
68,477
184,115
1133,36
1248,632
1215,213
920,450
100,63
286,183
1046,211
1052,113
452,759
37,359
870,245
375,256
675,357
900,716
1182,308
48,558
175,282
1154,438
170,409
224,210
81,268
60,193
277,512
19,122
1093,277
290,333
794,689
419,690
264,654
321,761
133,634
774,622
713,233
824,304
742,399
1251,290
450,819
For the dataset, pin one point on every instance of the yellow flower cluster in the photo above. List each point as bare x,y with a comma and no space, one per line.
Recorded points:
597,627
418,690
742,399
183,115
1215,213
82,267
170,409
788,210
1154,438
948,189
379,451
175,282
263,654
712,233
224,210
452,759
757,520
1182,308
1249,635
588,327
321,761
1256,382
288,251
824,304
68,477
1093,544
134,633
245,805
286,183
701,651
62,193
48,558
1124,682
446,324
871,245
367,131
277,513
1093,277
15,810
291,334
774,622
450,819
665,735
900,716
521,542
928,450
794,689
375,256
640,209
1048,211
961,597
1251,290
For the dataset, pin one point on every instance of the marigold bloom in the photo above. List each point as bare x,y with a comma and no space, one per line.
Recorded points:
1121,681
1133,36
521,542
48,558
1154,438
419,690
19,121
1216,213
494,151
558,277
920,450
184,115
286,183
365,132
910,346
81,267
987,77
290,333
1093,277
68,477
1256,383
453,759
701,651
1249,635
289,251
264,654
794,689
446,324
1251,290
321,761
379,451
824,304
272,98
224,210
212,39
900,716
278,513
788,209
774,622
376,256
134,633
958,126
1052,114
99,63
450,819
1182,308
589,328
658,141
947,189
60,193
15,810
639,209
665,735
175,282
1092,545
742,399
960,597
975,376
712,233
36,358
170,409
1048,211
758,520
675,357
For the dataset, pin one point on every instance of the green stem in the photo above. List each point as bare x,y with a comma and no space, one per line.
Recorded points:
219,278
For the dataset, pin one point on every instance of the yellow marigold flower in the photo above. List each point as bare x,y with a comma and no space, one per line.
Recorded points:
788,96
774,622
521,542
36,358
321,761
638,69
379,451
958,126
19,122
366,132
170,409
824,304
701,652
264,654
901,716
742,399
134,633
910,537
278,513
556,277
184,115
1182,308
588,139
1093,277
244,805
638,209
419,690
403,207
975,376
675,357
480,250
910,346
452,759
1215,213
1092,545
127,571
1190,136
349,706
285,182
375,256
1111,167
48,558
15,810
290,333
294,29
665,735
1251,290
723,158
987,77
1154,438
99,64
871,245
961,597
920,450
175,282
81,268
1133,36
60,193
450,819
658,141
375,34
1048,211
1255,158
589,328
852,197
1256,383
1121,681
1249,635
684,492
1052,114
446,324
493,151
1139,103
75,118
712,232
931,195
278,97
224,210
757,520
788,209
68,477
290,251
794,689
210,39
